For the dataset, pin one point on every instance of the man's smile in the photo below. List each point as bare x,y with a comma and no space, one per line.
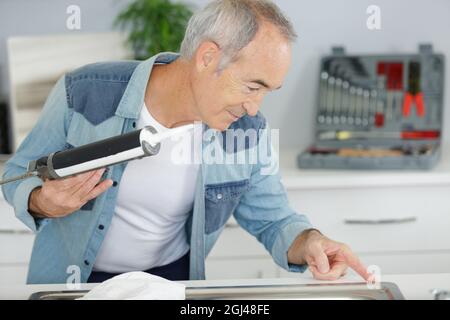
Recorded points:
233,116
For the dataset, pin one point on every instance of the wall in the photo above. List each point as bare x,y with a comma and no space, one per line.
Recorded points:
24,17
320,24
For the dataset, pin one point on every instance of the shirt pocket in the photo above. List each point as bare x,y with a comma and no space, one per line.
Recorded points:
220,201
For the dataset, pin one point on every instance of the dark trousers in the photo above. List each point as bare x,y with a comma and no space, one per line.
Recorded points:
177,270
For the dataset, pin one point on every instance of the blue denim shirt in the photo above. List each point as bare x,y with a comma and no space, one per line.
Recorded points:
102,100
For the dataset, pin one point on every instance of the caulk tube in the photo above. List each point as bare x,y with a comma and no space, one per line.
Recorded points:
100,154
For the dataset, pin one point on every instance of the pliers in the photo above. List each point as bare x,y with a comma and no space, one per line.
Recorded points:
413,94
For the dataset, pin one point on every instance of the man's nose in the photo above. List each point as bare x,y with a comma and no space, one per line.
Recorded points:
251,107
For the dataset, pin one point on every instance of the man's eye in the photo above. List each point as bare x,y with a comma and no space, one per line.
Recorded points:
253,89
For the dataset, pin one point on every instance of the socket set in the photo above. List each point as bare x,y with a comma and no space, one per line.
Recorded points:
378,111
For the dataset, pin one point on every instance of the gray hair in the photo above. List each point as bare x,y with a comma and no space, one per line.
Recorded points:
232,24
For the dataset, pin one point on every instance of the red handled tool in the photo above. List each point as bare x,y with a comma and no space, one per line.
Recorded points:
414,95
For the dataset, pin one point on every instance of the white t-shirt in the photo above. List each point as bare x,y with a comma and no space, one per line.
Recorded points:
154,199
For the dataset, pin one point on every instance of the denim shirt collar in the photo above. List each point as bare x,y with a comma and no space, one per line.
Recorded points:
131,103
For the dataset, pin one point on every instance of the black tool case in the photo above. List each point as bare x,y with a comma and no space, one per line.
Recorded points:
378,111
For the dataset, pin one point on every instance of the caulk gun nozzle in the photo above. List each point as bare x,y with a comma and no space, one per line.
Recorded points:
156,138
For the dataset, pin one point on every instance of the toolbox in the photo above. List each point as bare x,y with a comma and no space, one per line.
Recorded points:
378,111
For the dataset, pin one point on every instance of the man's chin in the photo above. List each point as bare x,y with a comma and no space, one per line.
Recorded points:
220,126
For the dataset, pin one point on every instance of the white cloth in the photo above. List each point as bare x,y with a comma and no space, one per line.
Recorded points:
154,199
137,286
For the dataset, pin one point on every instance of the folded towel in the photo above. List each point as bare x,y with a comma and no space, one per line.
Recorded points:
137,286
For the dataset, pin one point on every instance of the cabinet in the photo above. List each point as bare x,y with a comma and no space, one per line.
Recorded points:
399,221
402,230
15,252
16,243
237,255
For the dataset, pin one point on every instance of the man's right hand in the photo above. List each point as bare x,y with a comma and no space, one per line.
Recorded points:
59,198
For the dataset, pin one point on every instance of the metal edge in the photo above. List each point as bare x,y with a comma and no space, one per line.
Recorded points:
389,288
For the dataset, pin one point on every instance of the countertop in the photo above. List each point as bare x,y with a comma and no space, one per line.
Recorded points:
412,286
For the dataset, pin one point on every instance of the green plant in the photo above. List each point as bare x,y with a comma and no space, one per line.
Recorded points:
154,26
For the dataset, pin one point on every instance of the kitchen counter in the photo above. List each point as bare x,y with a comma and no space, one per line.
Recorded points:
412,286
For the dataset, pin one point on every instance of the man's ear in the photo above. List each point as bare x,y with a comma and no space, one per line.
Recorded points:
207,56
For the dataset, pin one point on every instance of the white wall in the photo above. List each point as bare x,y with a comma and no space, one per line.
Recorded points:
38,17
320,24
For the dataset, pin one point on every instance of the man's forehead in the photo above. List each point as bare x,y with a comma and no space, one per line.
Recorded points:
269,74
263,62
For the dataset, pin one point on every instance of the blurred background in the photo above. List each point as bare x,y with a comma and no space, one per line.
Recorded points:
395,219
320,24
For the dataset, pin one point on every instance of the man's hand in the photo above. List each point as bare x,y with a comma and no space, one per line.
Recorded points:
327,259
59,198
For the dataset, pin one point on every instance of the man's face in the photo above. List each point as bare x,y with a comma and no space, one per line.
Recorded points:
222,97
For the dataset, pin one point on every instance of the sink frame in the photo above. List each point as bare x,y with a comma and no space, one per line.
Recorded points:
352,291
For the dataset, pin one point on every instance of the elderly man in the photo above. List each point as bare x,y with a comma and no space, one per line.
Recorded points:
155,215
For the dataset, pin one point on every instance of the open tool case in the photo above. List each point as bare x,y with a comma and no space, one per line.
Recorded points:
378,112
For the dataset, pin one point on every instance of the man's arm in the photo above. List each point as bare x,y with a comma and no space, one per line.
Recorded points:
294,244
264,210
48,135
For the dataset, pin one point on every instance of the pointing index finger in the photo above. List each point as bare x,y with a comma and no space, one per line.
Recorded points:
354,263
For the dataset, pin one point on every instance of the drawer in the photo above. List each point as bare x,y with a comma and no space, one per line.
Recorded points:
254,268
410,263
8,220
328,210
13,274
15,247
